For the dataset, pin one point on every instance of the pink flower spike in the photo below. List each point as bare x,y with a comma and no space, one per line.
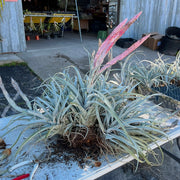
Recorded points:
123,55
111,40
106,42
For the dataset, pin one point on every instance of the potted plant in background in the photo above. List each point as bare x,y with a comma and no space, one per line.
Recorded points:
30,28
47,30
41,28
34,30
56,30
155,77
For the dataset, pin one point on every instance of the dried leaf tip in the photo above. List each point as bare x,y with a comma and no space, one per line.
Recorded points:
97,163
5,154
100,42
0,80
2,144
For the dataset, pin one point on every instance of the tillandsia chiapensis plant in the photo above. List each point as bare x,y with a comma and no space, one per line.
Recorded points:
56,27
150,74
89,110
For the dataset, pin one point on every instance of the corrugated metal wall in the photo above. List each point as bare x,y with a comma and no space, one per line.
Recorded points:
12,28
157,15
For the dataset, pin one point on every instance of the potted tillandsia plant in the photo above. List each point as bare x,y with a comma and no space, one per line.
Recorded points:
47,30
41,28
88,111
154,77
30,29
56,30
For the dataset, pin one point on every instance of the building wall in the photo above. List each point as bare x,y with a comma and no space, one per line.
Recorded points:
156,17
12,28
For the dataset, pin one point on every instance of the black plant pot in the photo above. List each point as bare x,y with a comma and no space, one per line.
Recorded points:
55,35
47,35
169,46
125,42
173,33
170,90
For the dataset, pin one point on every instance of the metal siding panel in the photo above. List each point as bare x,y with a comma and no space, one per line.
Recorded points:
157,16
21,31
14,30
5,32
174,12
177,21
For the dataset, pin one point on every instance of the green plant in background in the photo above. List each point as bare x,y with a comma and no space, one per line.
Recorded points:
25,12
56,27
91,110
47,27
41,27
32,27
147,73
169,71
140,73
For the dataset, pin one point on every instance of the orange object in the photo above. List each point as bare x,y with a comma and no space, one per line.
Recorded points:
28,38
37,37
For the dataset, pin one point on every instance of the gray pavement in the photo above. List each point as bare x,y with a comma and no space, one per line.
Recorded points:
47,57
9,58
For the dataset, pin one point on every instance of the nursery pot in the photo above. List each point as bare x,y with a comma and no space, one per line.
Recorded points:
37,37
170,44
102,35
125,42
28,38
47,35
173,32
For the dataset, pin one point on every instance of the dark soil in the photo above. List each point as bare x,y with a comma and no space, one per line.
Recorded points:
83,154
27,81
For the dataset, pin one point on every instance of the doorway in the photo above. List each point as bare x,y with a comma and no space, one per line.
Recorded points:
94,15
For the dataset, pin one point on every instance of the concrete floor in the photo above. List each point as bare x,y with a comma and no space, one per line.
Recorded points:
47,57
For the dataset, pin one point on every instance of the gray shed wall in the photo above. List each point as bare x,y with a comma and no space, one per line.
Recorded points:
156,17
12,28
